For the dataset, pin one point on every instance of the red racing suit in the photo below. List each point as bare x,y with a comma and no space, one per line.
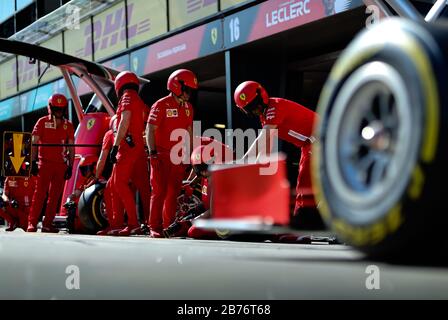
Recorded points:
128,157
198,233
21,190
295,124
140,177
52,167
140,180
114,214
166,177
222,153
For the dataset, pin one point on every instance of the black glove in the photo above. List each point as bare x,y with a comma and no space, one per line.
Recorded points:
130,141
195,212
70,205
68,173
2,203
145,228
113,154
14,204
34,168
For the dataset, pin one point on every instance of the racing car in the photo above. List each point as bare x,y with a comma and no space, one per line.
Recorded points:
90,215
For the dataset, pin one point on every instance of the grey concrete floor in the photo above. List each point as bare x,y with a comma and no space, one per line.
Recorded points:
34,266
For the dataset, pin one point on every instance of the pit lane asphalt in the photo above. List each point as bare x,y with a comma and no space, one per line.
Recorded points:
33,266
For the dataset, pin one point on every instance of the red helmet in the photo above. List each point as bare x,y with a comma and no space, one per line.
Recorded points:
57,100
180,78
125,78
201,156
247,92
213,152
88,160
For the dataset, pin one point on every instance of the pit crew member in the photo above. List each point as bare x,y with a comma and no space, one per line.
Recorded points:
168,114
16,201
294,124
55,163
210,152
128,146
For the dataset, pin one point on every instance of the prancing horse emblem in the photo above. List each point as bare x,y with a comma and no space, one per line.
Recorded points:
90,124
214,34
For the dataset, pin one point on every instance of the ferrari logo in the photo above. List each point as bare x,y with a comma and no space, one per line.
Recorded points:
243,97
214,35
59,100
198,157
65,127
204,190
90,124
25,184
187,112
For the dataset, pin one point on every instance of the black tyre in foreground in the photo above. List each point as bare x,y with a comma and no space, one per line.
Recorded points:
91,209
380,166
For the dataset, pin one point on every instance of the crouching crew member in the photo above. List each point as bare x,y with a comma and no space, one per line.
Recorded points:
16,198
87,166
210,152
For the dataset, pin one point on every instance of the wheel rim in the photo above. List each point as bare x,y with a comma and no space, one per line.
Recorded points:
103,210
369,142
185,204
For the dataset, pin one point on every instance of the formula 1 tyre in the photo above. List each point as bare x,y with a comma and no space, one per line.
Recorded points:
92,209
379,167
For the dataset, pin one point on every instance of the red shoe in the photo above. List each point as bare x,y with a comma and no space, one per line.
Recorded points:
114,231
130,230
156,235
50,230
202,234
12,227
103,232
31,228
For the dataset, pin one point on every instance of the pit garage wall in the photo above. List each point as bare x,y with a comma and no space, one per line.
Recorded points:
222,35
123,27
262,43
